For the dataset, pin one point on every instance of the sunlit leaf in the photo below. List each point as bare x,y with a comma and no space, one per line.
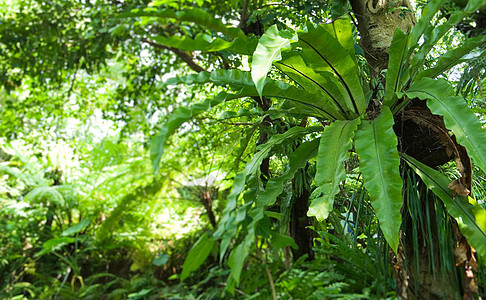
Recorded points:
55,244
455,56
196,15
76,228
324,54
268,49
241,45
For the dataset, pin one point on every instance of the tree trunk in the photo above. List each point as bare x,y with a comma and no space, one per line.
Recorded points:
417,252
299,221
377,26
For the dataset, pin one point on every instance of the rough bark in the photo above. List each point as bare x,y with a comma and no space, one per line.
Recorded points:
377,21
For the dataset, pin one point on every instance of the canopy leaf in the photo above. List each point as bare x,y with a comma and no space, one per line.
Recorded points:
205,43
455,56
195,15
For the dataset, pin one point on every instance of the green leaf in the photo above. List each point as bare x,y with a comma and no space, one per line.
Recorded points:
323,53
161,259
428,12
397,58
342,31
454,57
45,194
338,8
376,145
458,117
241,45
335,142
281,241
54,244
76,228
253,165
470,216
195,15
268,49
234,78
327,87
197,255
297,159
181,115
238,256
434,34
233,216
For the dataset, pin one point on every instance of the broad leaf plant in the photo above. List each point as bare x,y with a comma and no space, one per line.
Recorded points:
322,80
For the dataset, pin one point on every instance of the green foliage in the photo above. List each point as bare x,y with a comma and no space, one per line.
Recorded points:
457,116
197,255
470,216
376,144
396,61
334,144
268,49
101,224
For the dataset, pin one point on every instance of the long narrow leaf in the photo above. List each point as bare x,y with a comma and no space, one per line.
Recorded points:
298,159
241,45
376,145
397,56
183,114
428,12
342,31
332,92
457,115
454,57
232,77
196,15
470,216
238,256
334,145
229,218
304,102
323,53
432,36
176,119
268,49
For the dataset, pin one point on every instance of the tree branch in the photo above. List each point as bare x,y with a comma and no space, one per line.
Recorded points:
181,54
244,15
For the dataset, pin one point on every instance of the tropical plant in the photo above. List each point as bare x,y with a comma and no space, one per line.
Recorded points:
322,79
341,127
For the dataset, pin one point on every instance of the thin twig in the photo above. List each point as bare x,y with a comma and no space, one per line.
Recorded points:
244,15
181,54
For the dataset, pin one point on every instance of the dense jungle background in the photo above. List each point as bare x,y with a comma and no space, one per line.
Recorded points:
242,149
